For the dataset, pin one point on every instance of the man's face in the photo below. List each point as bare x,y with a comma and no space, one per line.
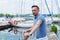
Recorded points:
35,11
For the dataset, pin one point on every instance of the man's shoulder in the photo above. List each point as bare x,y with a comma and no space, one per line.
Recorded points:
41,16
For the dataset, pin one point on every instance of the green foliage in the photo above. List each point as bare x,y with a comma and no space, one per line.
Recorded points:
7,14
1,14
17,15
53,29
56,15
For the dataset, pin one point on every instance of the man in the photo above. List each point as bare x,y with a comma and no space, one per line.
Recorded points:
39,27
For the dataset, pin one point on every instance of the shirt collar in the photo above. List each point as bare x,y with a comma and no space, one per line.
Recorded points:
36,16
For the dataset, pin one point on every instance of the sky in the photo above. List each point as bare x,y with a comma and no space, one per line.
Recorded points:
24,6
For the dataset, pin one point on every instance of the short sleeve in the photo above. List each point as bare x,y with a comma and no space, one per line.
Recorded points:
41,18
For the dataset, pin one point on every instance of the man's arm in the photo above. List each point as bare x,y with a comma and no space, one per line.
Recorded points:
27,30
36,27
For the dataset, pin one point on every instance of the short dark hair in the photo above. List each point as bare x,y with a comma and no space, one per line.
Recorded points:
35,6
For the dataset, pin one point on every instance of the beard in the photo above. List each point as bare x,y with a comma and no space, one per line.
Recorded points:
34,14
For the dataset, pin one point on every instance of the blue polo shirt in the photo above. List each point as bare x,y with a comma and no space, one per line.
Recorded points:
41,31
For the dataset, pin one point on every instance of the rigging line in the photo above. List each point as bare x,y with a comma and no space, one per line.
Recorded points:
47,6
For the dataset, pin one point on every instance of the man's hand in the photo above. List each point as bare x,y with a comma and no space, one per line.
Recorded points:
25,33
26,36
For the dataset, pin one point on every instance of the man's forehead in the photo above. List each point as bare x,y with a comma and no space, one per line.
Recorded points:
34,8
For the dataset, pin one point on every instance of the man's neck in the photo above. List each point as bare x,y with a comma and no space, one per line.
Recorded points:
36,14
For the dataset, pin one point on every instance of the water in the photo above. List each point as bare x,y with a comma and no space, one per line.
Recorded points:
8,36
4,35
21,35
